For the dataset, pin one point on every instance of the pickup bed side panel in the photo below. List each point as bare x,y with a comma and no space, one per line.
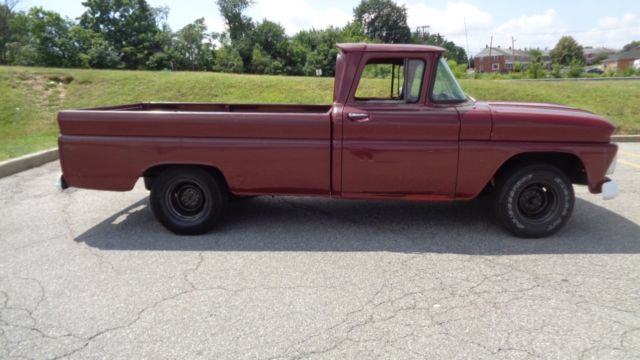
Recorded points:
258,153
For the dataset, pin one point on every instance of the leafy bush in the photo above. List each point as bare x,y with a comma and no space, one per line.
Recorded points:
459,70
517,67
535,71
575,69
556,72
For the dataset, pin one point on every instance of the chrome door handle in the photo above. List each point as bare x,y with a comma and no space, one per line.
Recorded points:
356,116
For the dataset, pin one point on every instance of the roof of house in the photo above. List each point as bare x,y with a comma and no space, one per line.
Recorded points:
598,50
630,55
500,52
349,47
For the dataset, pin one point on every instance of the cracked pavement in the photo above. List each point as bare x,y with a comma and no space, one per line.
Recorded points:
87,274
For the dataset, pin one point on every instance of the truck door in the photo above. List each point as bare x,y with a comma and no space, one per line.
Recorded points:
396,143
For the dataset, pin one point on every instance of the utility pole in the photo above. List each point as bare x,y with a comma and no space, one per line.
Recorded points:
423,30
490,57
466,34
513,47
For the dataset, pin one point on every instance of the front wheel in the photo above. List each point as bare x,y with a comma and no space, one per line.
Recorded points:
534,201
188,201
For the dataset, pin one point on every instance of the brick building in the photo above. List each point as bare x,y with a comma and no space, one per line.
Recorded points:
500,60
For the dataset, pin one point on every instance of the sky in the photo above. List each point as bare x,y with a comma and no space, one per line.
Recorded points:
533,24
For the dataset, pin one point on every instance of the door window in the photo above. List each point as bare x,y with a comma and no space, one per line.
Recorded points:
394,80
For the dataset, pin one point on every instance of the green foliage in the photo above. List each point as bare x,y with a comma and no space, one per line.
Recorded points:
535,70
632,45
383,20
556,72
238,24
228,60
459,70
629,71
130,34
128,25
575,69
192,48
536,65
454,52
567,51
262,63
6,15
321,50
517,67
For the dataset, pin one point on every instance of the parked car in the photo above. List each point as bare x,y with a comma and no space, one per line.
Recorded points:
414,136
595,71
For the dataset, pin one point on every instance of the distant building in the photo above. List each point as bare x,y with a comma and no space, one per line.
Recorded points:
594,55
622,61
500,60
611,63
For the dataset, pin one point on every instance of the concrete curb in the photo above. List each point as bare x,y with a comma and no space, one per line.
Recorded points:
27,162
625,138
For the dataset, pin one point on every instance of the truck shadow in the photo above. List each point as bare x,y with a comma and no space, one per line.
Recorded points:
296,224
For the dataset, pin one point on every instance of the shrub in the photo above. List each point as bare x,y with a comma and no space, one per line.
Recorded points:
575,69
556,72
517,67
535,71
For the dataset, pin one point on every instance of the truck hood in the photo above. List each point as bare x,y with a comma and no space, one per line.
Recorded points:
516,121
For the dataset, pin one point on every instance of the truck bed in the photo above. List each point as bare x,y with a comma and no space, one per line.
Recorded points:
275,149
213,107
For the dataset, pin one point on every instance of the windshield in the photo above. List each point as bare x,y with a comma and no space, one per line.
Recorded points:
446,88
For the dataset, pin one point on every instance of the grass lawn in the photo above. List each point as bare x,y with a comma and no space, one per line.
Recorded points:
30,97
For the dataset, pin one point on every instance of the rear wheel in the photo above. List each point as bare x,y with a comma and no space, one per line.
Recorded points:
188,201
534,201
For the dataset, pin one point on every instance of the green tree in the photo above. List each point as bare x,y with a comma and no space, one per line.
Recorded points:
454,52
94,51
130,26
6,15
536,64
238,24
321,51
263,63
383,20
556,72
567,51
240,28
45,39
575,69
632,45
271,38
228,59
193,47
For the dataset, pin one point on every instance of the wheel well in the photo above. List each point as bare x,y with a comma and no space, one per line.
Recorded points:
570,164
155,171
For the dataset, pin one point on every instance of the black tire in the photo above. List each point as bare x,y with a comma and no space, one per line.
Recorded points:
534,201
188,200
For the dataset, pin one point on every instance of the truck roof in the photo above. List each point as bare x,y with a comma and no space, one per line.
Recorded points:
363,47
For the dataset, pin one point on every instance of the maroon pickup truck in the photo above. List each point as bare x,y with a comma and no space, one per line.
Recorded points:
400,127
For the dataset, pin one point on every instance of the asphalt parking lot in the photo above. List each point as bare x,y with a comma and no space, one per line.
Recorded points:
88,275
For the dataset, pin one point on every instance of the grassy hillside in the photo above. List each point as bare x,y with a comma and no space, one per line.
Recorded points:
30,97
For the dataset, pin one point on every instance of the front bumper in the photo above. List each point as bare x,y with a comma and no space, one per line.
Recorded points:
610,189
61,183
